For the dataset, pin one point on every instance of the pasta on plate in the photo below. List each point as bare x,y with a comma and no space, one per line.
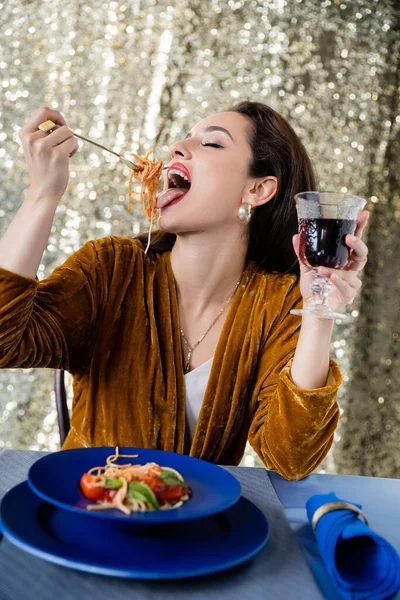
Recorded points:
132,487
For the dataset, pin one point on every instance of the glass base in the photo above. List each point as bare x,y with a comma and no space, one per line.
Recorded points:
322,312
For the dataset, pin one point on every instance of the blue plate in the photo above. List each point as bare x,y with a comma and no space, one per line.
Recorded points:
55,478
171,551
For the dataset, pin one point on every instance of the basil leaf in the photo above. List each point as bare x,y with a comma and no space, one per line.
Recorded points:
141,491
170,478
112,483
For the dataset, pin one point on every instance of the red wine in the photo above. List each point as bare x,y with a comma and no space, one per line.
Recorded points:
322,241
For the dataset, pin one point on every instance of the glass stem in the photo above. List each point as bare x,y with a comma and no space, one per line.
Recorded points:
320,289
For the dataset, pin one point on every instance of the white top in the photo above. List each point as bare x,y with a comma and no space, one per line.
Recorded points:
195,384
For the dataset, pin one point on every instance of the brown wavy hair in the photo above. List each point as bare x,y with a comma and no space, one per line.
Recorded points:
276,150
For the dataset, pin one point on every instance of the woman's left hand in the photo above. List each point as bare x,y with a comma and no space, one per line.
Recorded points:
345,282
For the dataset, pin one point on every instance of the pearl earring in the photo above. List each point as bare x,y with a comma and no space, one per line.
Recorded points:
244,213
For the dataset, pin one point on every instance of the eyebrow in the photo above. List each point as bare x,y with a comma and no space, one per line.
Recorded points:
213,128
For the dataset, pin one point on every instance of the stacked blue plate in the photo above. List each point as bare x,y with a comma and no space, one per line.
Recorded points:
214,530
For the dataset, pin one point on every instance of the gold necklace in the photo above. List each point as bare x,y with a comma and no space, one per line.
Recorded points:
201,338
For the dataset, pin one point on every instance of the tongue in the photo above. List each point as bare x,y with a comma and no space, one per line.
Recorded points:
169,195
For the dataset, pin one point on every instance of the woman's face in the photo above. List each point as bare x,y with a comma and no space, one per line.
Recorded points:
214,157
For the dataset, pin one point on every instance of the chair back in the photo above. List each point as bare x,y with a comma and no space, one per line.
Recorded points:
61,404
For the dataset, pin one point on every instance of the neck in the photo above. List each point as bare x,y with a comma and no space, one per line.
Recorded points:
206,269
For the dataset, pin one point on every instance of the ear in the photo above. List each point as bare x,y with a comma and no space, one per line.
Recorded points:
261,191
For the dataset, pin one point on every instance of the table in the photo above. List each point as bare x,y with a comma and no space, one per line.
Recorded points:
284,570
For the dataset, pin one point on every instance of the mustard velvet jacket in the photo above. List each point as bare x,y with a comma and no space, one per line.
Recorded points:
109,316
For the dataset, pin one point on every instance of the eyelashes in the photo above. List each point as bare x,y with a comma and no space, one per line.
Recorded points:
213,145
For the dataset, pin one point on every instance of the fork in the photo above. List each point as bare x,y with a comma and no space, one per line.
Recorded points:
49,126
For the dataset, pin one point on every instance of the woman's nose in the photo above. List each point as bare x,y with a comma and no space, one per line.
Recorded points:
180,149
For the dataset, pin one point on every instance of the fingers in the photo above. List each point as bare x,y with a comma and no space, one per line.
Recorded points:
346,283
296,245
58,136
328,272
68,147
347,288
44,113
38,144
358,253
30,135
52,139
361,223
296,248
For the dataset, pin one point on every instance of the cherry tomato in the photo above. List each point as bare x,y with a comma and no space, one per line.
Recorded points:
91,491
153,481
171,493
109,494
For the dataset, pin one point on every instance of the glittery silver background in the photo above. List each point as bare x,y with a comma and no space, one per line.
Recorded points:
141,74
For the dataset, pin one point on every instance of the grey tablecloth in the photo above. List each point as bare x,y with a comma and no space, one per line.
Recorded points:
280,572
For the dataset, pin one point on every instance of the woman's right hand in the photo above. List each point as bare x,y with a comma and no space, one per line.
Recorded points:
47,154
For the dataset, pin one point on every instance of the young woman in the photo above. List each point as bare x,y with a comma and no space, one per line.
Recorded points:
190,347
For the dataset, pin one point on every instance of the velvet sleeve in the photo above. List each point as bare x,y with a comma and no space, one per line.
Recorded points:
52,323
292,429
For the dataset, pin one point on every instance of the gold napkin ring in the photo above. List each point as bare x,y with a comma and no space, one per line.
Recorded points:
329,506
47,126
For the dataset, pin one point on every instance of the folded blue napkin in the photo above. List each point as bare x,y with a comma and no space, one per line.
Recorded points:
362,564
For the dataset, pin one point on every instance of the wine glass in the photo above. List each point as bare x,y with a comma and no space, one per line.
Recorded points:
325,218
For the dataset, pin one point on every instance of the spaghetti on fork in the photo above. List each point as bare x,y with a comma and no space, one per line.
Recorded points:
148,174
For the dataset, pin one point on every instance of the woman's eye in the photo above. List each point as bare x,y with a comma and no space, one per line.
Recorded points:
213,145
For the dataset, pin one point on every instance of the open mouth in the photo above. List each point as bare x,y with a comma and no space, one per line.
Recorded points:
178,180
179,184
